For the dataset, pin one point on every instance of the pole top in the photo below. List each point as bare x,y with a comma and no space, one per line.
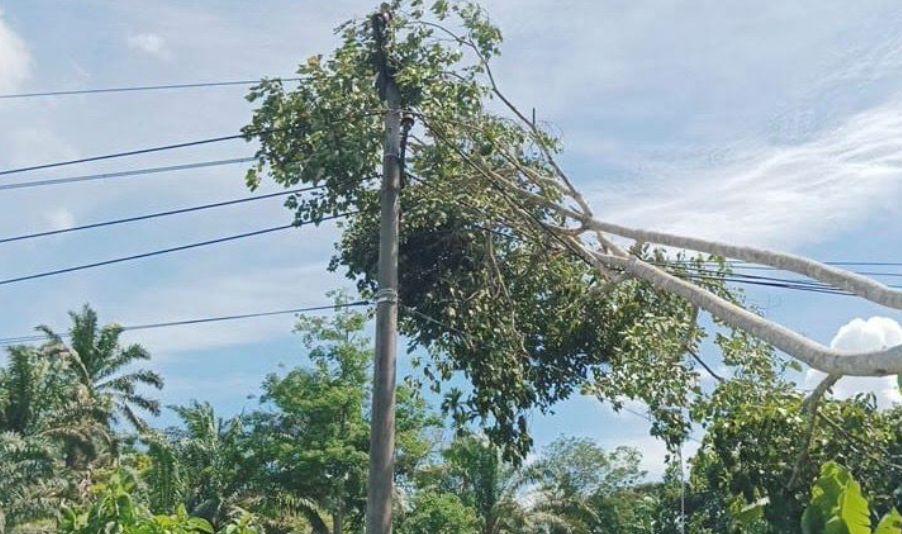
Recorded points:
384,15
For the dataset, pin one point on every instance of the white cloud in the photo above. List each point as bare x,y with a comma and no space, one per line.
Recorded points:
14,58
859,335
777,195
30,145
654,452
150,43
60,218
751,114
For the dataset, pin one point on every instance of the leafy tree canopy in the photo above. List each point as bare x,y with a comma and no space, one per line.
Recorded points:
484,287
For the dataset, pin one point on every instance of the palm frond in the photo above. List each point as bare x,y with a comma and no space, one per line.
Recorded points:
288,506
133,418
119,358
83,336
126,383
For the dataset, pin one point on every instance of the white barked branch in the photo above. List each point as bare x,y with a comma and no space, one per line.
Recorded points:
831,361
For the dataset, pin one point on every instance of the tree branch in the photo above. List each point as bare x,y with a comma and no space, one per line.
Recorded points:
831,361
810,406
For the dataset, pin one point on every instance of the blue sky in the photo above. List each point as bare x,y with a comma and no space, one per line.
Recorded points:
771,123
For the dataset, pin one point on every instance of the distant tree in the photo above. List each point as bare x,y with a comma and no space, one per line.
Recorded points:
31,484
312,440
33,387
44,418
588,487
100,365
433,512
201,465
473,469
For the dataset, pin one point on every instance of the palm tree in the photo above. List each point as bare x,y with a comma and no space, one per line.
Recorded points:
475,470
29,389
30,487
99,361
37,398
199,465
39,412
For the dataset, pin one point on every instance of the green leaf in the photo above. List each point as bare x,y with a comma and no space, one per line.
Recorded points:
854,510
200,525
890,524
440,8
812,522
837,506
751,512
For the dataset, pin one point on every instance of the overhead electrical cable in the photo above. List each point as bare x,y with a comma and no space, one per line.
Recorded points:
127,153
152,215
159,214
125,174
165,251
834,263
202,320
162,148
764,268
131,89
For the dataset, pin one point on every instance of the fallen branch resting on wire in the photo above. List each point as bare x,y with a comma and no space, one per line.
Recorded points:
548,187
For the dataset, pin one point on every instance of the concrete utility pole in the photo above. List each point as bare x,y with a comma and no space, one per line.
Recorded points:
382,426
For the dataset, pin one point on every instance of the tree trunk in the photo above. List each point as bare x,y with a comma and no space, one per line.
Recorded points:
337,520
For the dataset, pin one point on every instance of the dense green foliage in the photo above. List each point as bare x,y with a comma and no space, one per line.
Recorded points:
752,449
488,296
115,511
59,404
296,464
837,505
485,289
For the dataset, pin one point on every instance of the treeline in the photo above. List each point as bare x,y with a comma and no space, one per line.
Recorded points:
78,456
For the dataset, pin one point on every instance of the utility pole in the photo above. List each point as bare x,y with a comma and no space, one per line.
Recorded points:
382,426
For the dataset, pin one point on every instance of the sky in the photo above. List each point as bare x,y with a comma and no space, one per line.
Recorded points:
769,123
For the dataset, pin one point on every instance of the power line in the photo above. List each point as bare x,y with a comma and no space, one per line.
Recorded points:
159,214
152,215
165,250
834,263
702,270
735,264
795,283
125,174
124,154
150,326
142,88
788,283
161,148
764,283
862,273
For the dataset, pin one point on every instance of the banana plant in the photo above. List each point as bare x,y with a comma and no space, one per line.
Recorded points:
838,507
